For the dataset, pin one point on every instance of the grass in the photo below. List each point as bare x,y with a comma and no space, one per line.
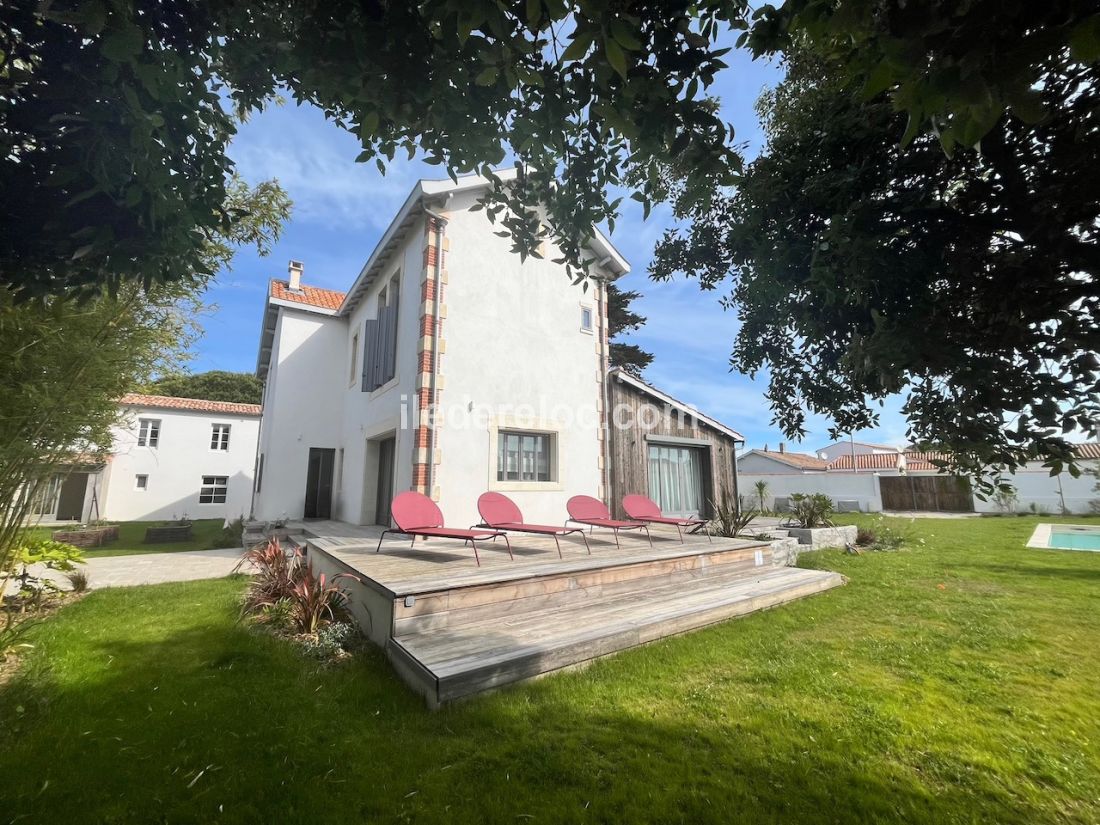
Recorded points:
954,682
206,535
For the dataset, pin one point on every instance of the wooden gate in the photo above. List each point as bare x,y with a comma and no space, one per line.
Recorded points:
949,494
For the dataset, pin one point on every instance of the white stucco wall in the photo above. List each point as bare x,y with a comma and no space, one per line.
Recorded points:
1035,485
301,407
861,487
515,357
175,467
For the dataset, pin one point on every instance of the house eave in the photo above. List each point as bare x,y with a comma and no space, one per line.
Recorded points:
626,378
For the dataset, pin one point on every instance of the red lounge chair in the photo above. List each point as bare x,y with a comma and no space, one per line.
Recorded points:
641,508
416,515
594,513
499,512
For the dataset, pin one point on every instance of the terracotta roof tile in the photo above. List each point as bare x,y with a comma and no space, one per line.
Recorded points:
883,461
168,402
309,295
803,461
1089,450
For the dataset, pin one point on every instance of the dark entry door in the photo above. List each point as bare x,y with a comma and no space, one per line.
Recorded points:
70,503
319,482
385,481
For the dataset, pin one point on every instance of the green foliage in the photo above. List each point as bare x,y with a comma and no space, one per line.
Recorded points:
116,124
1005,499
78,580
811,509
67,362
972,703
731,518
622,320
760,488
881,533
967,283
953,69
30,586
214,385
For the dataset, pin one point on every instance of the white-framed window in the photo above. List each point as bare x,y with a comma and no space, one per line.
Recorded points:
141,481
148,432
219,436
586,318
525,456
213,489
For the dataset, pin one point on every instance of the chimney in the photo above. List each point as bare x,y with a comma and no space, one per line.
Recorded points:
295,275
782,447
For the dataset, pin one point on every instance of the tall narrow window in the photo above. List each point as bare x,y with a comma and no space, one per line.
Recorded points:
524,456
353,370
213,489
148,432
586,319
219,436
380,338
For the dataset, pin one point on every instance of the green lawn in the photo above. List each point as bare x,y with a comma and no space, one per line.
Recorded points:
131,535
954,682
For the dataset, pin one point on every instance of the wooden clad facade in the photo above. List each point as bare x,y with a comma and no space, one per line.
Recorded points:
652,434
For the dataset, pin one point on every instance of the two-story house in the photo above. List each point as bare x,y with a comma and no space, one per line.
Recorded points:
512,353
170,457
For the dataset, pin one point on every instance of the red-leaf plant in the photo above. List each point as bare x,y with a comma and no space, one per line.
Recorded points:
314,601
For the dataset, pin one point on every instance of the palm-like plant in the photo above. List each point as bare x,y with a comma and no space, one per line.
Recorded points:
761,488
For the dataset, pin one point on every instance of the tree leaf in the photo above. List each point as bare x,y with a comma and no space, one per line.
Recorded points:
615,56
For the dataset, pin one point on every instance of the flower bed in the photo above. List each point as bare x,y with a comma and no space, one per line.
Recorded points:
90,537
168,533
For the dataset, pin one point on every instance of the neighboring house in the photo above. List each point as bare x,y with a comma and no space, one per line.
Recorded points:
910,480
683,459
849,448
170,457
512,351
757,462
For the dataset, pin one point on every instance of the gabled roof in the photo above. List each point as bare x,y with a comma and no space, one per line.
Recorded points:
308,296
433,194
864,444
801,461
648,389
168,402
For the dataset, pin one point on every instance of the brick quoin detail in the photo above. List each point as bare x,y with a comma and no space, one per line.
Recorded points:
423,436
426,361
427,326
427,290
430,329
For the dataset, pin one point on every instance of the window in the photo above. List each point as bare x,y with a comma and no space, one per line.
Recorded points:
353,371
148,432
524,456
141,482
213,489
219,436
380,338
586,319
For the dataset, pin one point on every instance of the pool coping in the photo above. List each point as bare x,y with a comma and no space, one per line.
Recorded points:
1040,538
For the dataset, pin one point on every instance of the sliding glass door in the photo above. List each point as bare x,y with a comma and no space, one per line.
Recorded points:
676,479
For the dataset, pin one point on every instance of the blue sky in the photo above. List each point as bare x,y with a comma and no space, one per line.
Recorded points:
341,208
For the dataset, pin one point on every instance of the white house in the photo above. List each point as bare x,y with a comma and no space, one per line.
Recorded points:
879,478
171,457
837,449
512,351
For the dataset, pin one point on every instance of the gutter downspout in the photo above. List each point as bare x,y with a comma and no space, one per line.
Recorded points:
605,366
437,277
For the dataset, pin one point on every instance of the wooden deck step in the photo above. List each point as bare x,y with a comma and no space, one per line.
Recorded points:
451,662
433,611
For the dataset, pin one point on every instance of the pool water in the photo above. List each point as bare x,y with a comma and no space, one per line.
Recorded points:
1067,537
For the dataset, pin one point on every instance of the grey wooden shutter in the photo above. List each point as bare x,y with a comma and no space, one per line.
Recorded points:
387,331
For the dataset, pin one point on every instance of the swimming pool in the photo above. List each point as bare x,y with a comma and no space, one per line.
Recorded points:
1066,537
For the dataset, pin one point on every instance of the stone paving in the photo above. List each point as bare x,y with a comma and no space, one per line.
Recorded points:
155,568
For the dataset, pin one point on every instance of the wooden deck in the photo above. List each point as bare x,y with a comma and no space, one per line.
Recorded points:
452,628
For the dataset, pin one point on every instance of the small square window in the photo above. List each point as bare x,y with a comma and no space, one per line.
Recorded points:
141,482
213,489
219,436
148,432
586,319
524,456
